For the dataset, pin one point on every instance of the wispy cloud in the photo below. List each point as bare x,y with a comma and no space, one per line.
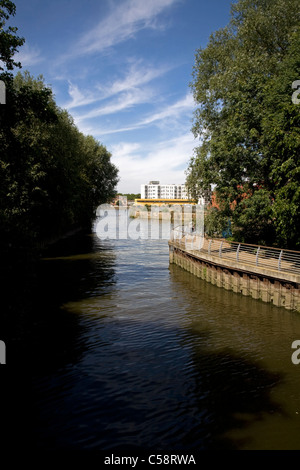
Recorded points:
123,102
173,111
165,160
123,23
79,97
28,56
168,113
125,149
137,76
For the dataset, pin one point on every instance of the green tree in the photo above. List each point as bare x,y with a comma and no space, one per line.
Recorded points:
24,127
53,177
215,222
252,228
131,196
9,41
100,174
281,126
236,80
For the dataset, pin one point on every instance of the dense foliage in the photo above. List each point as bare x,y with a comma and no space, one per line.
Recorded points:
52,176
9,41
247,123
130,196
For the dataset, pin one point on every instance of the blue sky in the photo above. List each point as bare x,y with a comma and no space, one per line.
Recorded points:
122,69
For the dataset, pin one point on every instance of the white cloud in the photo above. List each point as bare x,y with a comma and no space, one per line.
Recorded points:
123,102
125,20
173,111
78,97
28,56
137,76
124,149
165,161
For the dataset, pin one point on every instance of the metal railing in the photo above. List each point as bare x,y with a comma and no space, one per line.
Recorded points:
276,259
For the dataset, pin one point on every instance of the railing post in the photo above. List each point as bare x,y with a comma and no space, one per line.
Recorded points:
237,252
257,254
209,245
279,260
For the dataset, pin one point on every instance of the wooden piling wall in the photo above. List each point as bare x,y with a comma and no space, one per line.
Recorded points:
280,292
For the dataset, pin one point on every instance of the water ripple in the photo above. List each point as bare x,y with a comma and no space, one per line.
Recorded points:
146,355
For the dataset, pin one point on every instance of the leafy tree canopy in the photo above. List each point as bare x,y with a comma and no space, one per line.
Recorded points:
9,41
248,126
53,177
130,196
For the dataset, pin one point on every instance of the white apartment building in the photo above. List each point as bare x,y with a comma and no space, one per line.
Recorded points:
155,190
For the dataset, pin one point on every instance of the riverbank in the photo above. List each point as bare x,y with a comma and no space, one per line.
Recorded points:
263,273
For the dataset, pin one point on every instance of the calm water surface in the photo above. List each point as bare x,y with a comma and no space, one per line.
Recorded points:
133,353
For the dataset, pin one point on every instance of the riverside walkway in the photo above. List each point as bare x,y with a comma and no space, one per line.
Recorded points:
265,273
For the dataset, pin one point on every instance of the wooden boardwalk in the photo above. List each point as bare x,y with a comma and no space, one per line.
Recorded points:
265,273
282,263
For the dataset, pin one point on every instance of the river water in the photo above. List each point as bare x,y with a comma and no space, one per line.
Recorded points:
131,353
